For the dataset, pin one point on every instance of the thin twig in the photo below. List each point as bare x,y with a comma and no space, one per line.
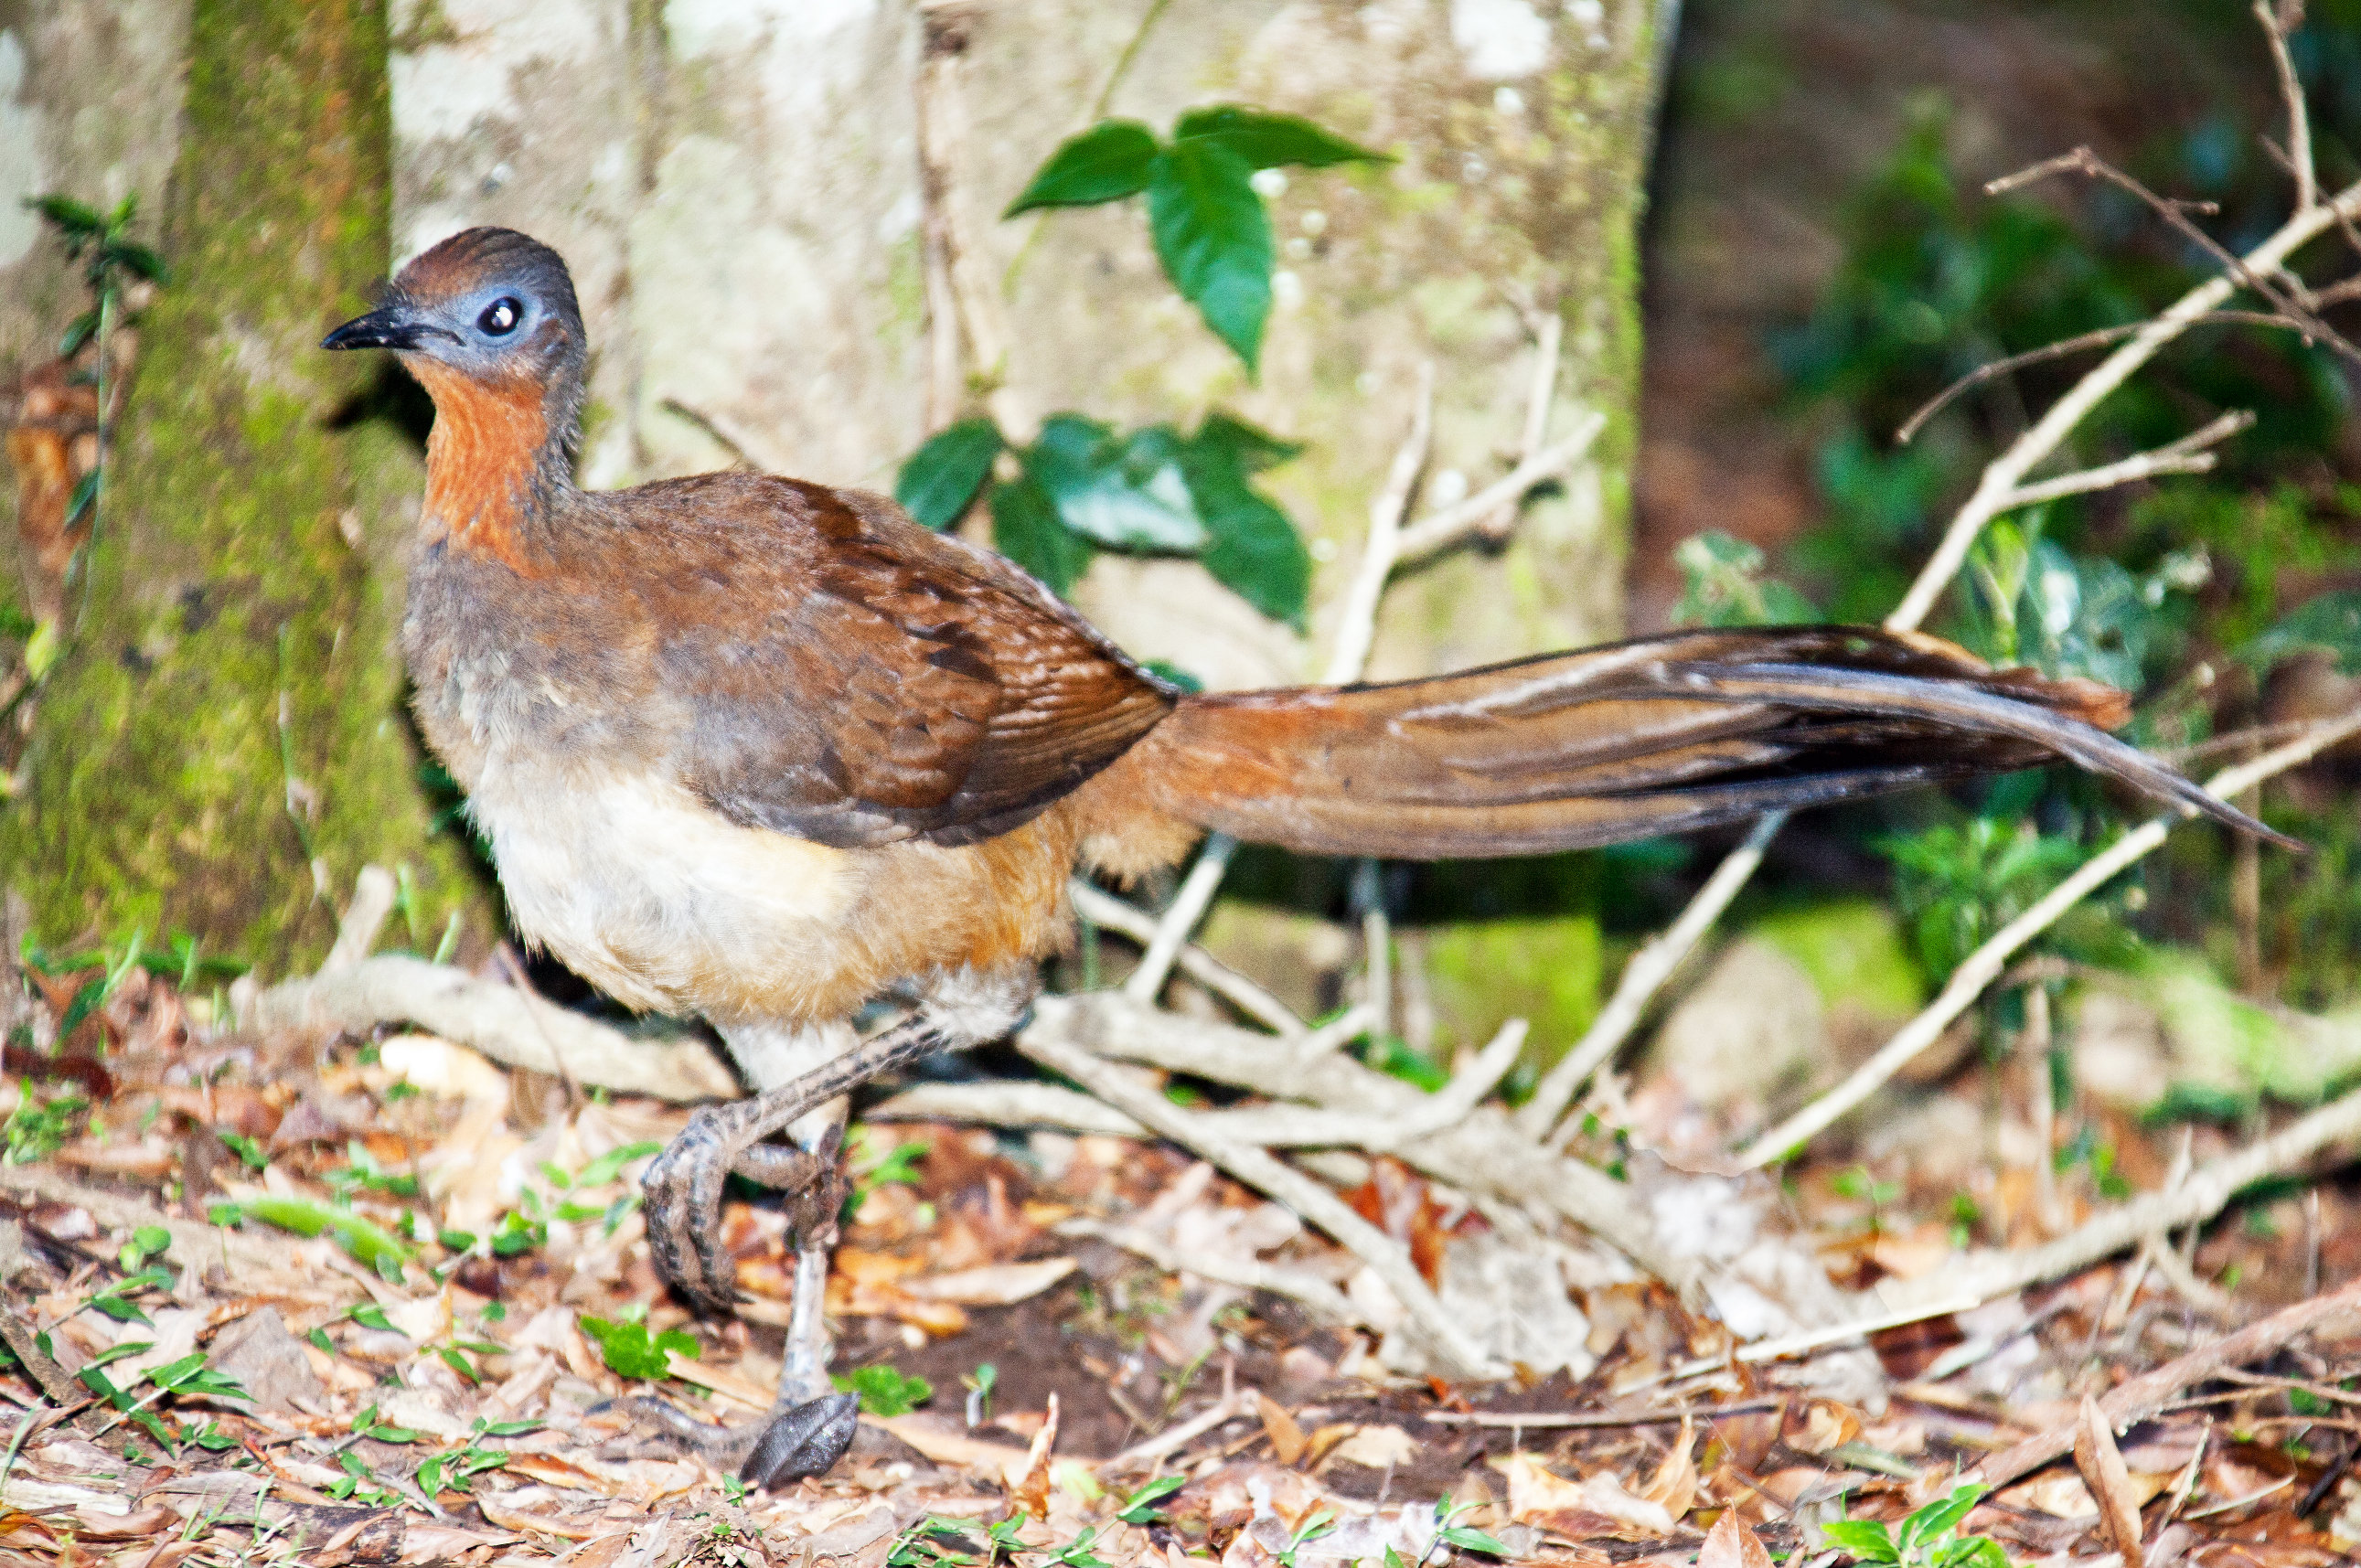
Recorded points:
1549,1421
2006,472
1265,1172
1541,396
1245,1272
1356,622
1447,525
2144,1395
1104,909
2066,346
1232,1404
2206,1194
1984,965
2186,455
1642,977
2299,147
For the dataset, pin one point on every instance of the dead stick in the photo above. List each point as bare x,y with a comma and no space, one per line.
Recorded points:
2150,1391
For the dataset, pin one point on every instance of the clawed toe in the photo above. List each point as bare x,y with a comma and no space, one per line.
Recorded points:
683,1188
807,1440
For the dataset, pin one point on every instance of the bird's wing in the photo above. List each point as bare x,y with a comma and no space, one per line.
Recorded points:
867,681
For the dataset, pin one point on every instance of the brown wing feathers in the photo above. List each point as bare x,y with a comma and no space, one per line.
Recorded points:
1653,736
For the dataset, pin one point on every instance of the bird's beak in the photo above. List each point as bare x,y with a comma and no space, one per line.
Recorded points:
393,325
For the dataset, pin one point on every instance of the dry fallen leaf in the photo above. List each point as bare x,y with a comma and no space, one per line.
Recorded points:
1674,1487
1730,1544
996,1284
1032,1490
1287,1440
2101,1464
1376,1447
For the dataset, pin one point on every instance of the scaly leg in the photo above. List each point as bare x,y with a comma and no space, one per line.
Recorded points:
808,1428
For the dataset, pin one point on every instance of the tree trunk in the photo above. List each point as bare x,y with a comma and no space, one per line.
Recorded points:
224,747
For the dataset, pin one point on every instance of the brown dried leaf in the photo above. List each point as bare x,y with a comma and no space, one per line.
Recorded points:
1032,1492
1674,1487
2101,1464
1287,1440
1729,1544
996,1284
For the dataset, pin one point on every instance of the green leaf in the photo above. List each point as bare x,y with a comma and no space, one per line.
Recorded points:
1256,551
1471,1539
76,220
942,477
1026,529
1864,1538
137,259
1267,140
1214,238
85,497
365,1240
151,1239
1140,1506
247,1151
85,1001
1105,163
884,1391
631,1352
1940,1517
2329,624
79,331
609,1166
1127,493
1165,670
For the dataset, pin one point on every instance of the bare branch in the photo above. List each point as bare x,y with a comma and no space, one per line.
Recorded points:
511,1026
1105,909
1265,1172
2186,455
2006,472
1984,965
1642,977
1447,525
2066,346
2299,147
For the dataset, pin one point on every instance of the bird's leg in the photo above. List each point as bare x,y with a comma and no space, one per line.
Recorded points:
810,1427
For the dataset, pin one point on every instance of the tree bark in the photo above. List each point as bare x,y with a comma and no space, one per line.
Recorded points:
225,747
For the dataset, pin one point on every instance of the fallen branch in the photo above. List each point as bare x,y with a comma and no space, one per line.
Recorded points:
2205,1193
1984,965
1232,1404
1265,1172
1482,1152
2145,1395
513,1026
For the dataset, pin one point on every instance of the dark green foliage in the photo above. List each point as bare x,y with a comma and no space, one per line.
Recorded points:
942,477
1082,486
1211,229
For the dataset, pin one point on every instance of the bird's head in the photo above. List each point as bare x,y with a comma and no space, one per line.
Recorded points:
492,306
487,322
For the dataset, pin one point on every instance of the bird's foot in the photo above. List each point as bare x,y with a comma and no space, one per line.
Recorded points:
683,1188
798,1439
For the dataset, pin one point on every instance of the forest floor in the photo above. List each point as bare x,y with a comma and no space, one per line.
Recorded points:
439,1371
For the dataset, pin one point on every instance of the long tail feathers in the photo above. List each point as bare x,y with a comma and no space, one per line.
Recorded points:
1659,735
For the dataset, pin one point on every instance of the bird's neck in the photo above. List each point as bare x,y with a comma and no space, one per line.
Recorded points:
495,462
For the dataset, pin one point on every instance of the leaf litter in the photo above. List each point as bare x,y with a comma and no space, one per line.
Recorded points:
374,1300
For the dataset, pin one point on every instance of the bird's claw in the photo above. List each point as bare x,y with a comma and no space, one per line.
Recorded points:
805,1440
682,1191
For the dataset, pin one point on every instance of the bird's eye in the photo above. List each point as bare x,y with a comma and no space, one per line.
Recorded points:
499,317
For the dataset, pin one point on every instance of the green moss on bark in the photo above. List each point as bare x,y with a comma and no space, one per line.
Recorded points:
225,747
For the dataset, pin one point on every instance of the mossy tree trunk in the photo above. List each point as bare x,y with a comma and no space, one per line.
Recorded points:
225,747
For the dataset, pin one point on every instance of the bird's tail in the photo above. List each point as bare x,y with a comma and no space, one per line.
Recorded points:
1657,735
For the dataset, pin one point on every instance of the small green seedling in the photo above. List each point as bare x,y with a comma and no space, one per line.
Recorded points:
884,1391
1928,1538
629,1351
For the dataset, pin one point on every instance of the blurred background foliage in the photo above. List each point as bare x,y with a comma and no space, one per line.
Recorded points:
1839,154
